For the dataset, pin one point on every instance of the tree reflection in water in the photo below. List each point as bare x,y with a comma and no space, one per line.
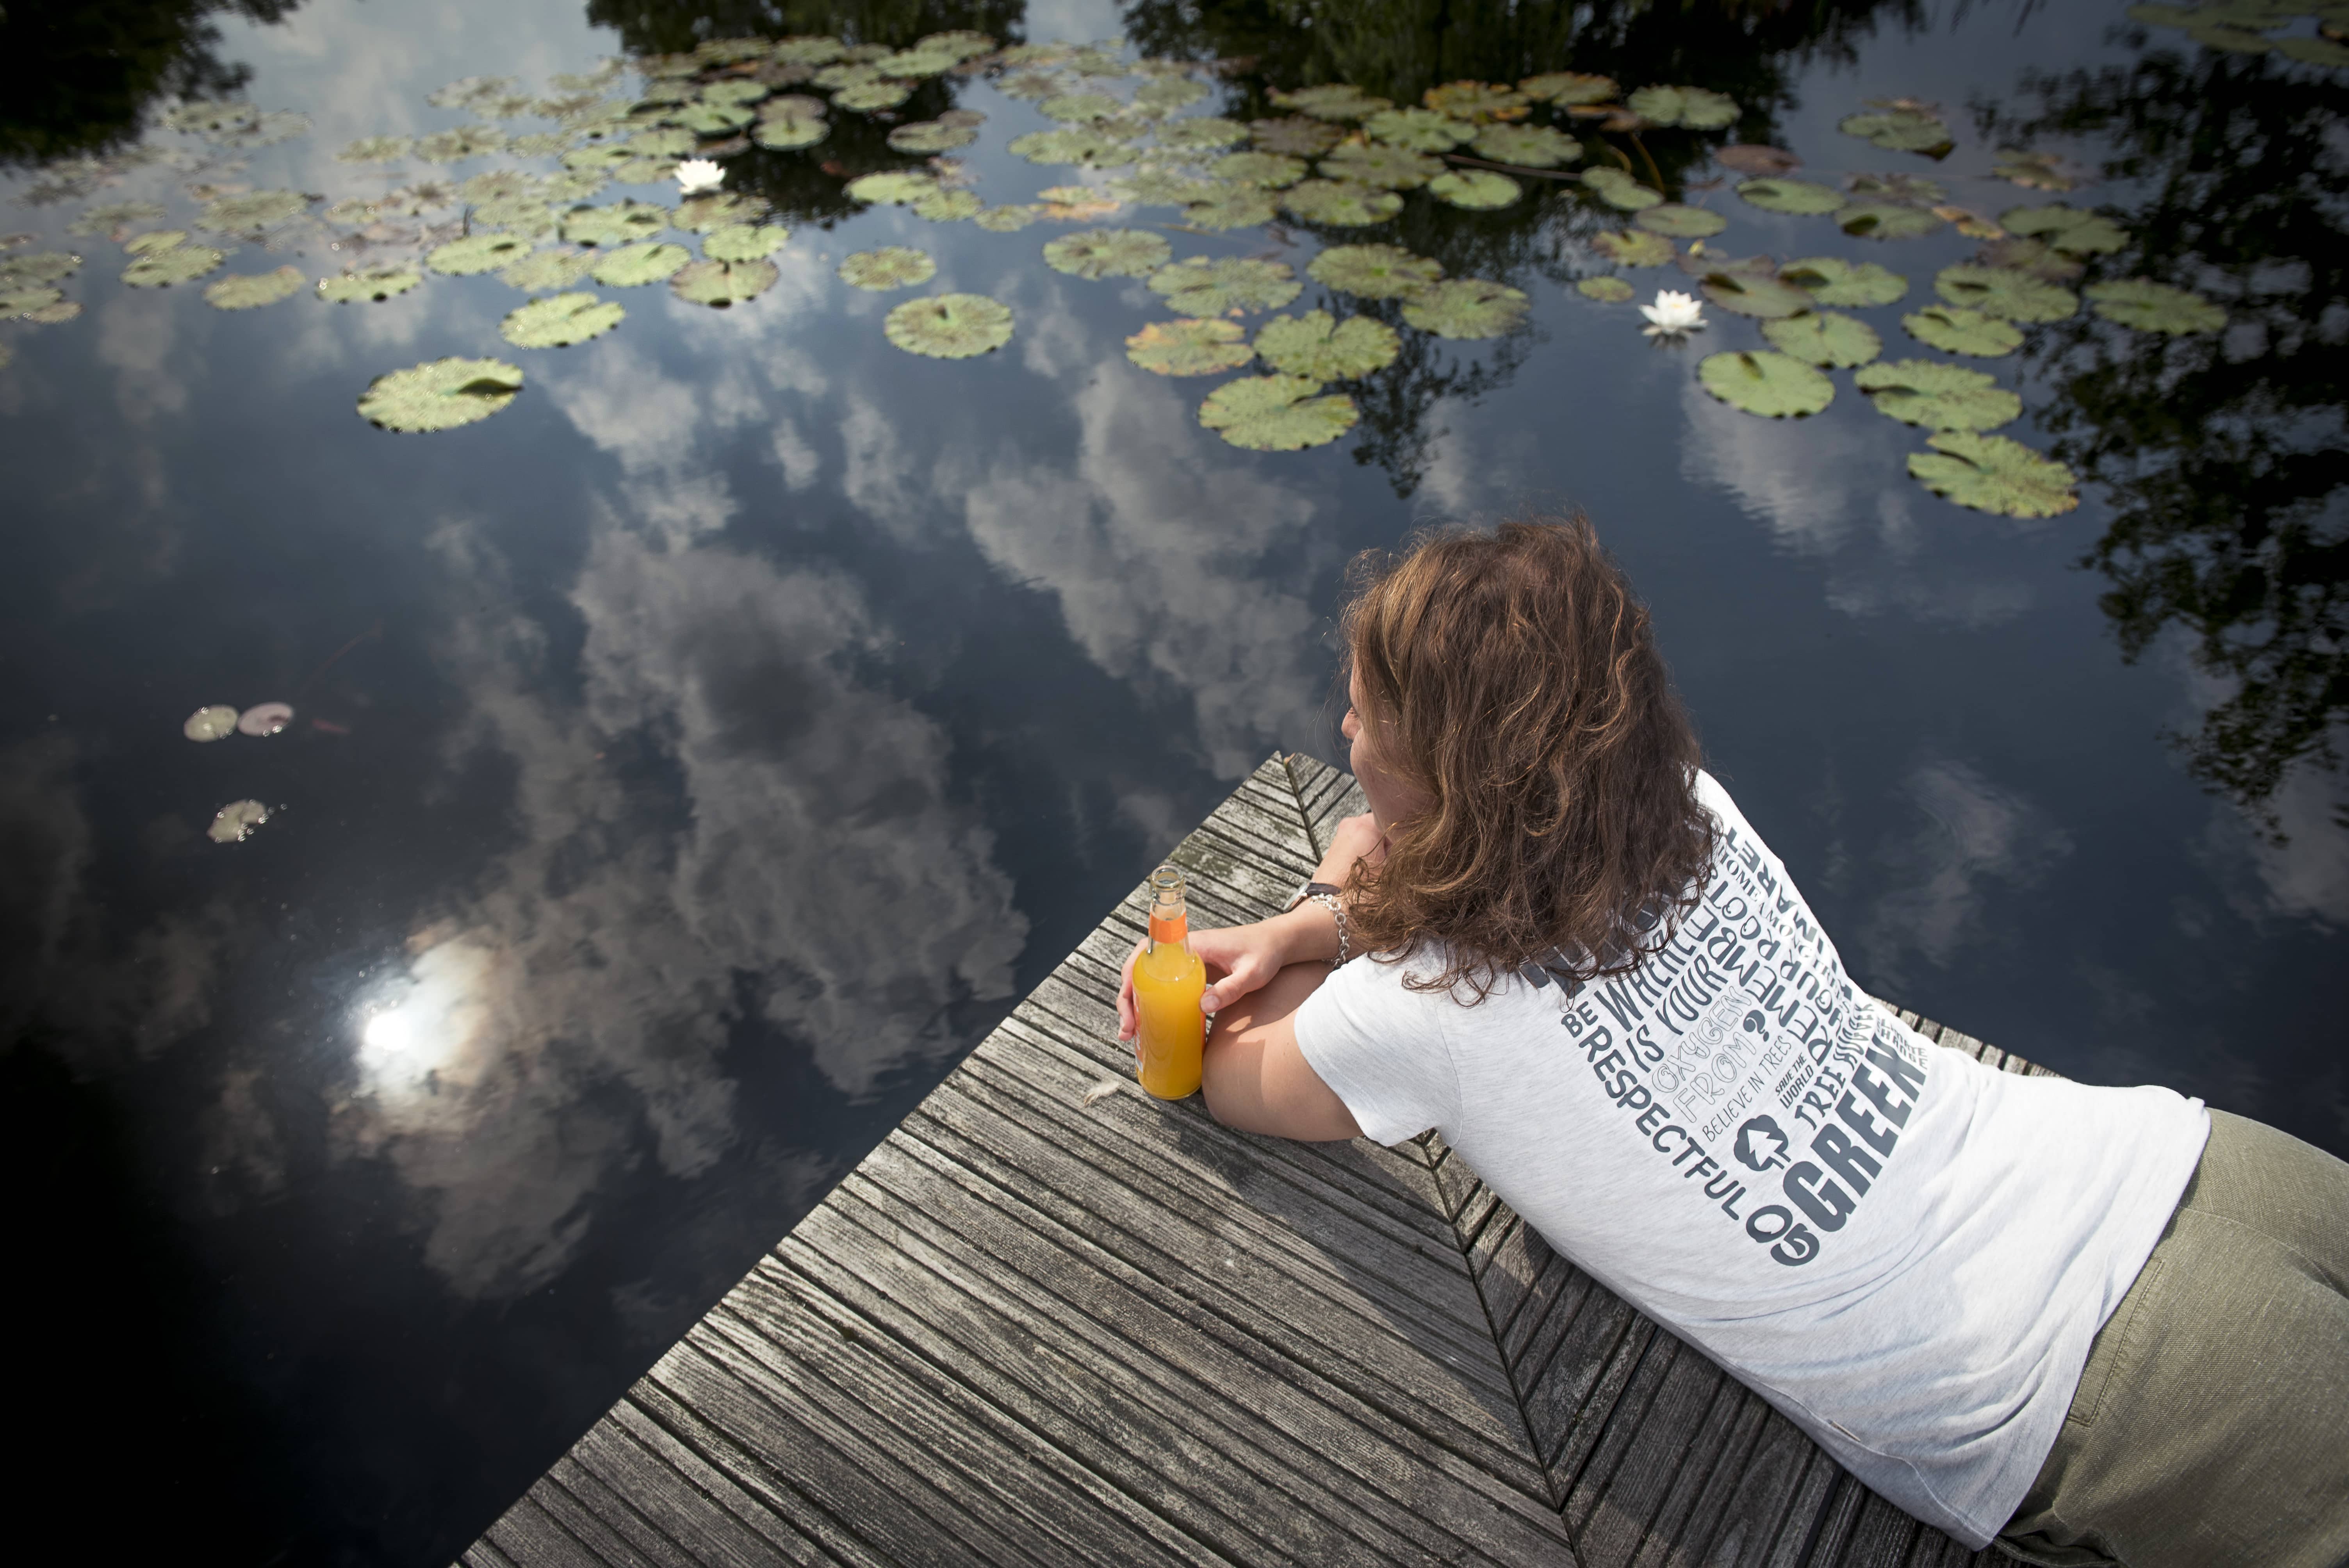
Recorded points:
2223,456
78,78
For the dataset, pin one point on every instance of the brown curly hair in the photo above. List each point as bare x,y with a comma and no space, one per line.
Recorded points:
1514,684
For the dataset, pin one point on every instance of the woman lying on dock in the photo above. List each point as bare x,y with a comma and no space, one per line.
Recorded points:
2096,1324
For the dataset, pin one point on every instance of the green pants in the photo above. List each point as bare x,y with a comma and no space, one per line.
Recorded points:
2211,1423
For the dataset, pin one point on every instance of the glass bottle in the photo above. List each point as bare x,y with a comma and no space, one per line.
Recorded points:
1168,979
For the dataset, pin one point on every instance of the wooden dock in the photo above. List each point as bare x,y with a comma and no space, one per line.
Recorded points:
1029,1330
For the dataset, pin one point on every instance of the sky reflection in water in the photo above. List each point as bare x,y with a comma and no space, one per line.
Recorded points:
726,733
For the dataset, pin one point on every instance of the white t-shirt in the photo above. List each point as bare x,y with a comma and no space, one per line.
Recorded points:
1906,1252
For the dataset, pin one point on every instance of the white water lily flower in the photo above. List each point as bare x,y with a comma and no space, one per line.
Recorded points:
1674,313
696,175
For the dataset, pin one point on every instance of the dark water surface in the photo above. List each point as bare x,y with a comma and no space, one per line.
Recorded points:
693,759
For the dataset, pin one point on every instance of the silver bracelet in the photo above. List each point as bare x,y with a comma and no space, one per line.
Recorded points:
1336,912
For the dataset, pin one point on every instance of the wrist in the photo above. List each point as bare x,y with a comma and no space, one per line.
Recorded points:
1308,933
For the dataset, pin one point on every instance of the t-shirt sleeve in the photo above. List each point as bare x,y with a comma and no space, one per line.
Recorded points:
1381,1049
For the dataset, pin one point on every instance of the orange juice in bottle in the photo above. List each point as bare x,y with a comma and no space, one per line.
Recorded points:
1168,981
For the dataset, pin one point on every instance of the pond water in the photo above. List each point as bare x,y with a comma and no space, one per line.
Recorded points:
689,759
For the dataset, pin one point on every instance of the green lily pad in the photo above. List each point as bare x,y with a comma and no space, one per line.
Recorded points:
1338,100
1420,130
1823,337
1173,188
520,215
1885,221
949,206
1831,280
1373,271
1749,293
1478,102
217,722
455,146
2150,306
1169,93
1008,220
25,301
735,90
1207,133
252,212
375,149
1526,146
571,185
1799,197
1901,190
559,320
2316,51
548,269
1240,207
889,267
1953,330
644,171
1568,88
1277,413
2004,293
722,284
896,187
248,291
595,160
138,246
617,223
1936,396
1619,190
112,215
1466,308
2067,229
1694,108
1633,248
1107,253
2034,171
667,141
634,266
717,119
477,254
1077,107
1606,291
2037,257
1478,189
1386,168
1295,136
179,265
1774,385
369,285
235,822
951,325
790,131
1680,222
1321,348
1339,203
440,394
1900,130
1994,474
1071,144
1191,346
1197,285
930,136
744,241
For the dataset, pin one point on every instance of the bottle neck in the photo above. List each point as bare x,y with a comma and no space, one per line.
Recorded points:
1169,930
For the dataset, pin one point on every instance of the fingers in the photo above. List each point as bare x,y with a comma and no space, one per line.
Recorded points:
1125,1019
1248,973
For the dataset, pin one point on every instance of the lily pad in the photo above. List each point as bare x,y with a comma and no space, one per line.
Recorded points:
1466,308
2037,257
1994,474
1171,187
235,822
1295,136
263,719
439,393
2067,229
930,136
1321,348
1526,146
1007,219
559,320
1606,291
1337,100
896,187
178,264
1885,221
2004,293
477,254
1197,285
368,285
1074,145
744,241
1901,190
52,266
1680,222
790,131
951,325
2034,171
1900,130
1694,108
1831,280
1340,203
214,723
27,301
1191,346
1078,108
634,266
1239,207
1774,385
889,267
2323,52
667,141
1373,271
717,119
2150,306
248,291
1387,167
719,209
618,223
1420,130
1823,337
1633,248
1277,413
112,215
1936,396
375,149
1478,189
1619,190
517,215
735,90
1107,253
464,141
1204,134
1756,160
949,206
1749,293
1169,93
1480,103
1799,197
548,269
722,284
1566,89
1075,203
1954,330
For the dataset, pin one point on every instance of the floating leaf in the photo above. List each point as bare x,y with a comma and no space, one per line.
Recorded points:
1169,93
2067,229
2036,257
178,264
113,215
1336,101
1749,293
1071,144
477,254
1994,474
1567,88
1885,221
1754,159
1387,167
1340,203
661,141
1606,291
702,214
439,393
889,267
1800,197
634,266
1956,331
375,149
1172,188
53,266
1420,130
930,136
1373,271
2150,306
1277,413
722,284
1007,219
1479,103
1901,190
373,283
1204,134
1466,308
1320,348
235,822
1197,285
1475,189
1900,130
735,90
2004,293
1831,280
896,187
559,320
1774,385
463,142
1106,253
214,723
949,206
717,119
518,215
789,131
1191,346
1074,204
548,269
1296,137
252,212
744,241
1969,222
619,223
1694,108
250,290
1619,190
26,302
2324,52
1823,337
1633,248
1526,146
1936,396
1080,107
951,325
2034,171
1681,222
